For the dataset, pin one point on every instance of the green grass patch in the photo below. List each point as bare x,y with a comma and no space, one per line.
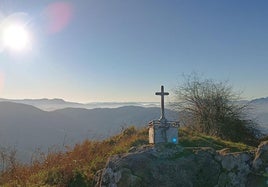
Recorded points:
184,153
193,139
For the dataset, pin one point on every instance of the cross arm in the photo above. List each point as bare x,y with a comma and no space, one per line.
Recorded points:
160,93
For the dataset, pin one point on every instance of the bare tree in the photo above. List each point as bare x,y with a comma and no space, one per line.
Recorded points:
211,107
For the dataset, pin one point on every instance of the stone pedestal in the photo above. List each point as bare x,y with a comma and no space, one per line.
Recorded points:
163,132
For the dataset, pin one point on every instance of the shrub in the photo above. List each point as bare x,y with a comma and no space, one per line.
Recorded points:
79,179
210,107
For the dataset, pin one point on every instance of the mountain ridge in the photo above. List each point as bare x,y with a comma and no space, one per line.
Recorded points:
28,127
57,103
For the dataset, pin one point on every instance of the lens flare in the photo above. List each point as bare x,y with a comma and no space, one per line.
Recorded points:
58,16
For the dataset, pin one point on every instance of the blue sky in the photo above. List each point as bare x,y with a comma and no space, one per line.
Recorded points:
123,50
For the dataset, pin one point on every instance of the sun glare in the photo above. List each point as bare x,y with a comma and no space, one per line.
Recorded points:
16,37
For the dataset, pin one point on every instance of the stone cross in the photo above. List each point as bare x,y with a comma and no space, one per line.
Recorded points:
162,94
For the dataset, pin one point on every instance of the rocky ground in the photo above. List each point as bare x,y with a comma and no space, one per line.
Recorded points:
173,165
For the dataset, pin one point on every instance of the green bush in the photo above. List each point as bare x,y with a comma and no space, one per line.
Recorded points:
79,179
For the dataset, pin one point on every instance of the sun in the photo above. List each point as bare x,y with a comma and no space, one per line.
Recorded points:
15,37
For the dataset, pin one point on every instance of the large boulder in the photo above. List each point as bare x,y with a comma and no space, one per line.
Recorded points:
173,165
235,168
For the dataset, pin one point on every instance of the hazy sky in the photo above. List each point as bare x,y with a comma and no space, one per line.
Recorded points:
123,50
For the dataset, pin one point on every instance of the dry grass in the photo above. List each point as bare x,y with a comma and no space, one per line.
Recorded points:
76,166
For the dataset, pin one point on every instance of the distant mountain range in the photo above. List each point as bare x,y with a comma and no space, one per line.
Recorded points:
262,100
55,104
27,127
258,110
30,124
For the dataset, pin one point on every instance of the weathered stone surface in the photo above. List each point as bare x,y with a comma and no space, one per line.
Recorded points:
261,160
238,168
172,165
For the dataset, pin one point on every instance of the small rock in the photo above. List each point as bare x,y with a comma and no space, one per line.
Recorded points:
132,149
228,162
224,151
